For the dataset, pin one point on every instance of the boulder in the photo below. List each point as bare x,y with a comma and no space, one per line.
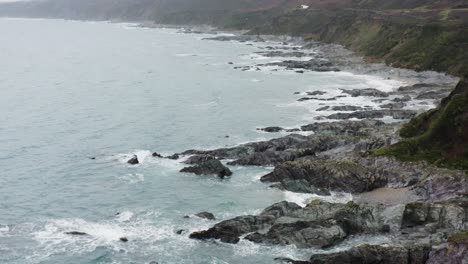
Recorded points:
133,160
209,167
206,215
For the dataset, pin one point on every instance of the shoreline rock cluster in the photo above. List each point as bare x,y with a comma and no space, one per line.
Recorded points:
422,224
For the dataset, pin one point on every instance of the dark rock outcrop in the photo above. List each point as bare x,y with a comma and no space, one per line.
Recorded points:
396,114
76,233
371,92
134,160
209,167
328,175
206,215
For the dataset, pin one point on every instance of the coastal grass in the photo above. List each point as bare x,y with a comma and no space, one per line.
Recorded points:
439,137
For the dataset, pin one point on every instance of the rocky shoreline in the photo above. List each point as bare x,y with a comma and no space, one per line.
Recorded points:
426,223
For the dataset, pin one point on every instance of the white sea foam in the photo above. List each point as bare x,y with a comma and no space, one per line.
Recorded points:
302,199
142,156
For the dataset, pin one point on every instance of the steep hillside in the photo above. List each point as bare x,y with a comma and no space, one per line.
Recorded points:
439,136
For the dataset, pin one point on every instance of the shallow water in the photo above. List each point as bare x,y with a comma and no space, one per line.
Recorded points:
74,90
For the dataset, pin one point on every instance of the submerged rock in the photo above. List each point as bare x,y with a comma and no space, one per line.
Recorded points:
133,160
208,167
76,233
273,129
123,239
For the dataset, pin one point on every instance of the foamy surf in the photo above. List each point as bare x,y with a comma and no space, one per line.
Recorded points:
302,199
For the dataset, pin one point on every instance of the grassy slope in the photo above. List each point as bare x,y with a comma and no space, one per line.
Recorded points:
439,136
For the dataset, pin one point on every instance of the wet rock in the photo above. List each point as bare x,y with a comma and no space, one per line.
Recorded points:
209,167
229,231
319,224
403,99
396,114
398,105
312,65
299,71
439,94
371,92
173,157
320,99
316,93
375,254
181,231
76,233
199,159
346,108
123,239
293,130
273,129
329,175
447,214
157,155
279,53
323,108
230,62
302,234
133,160
206,215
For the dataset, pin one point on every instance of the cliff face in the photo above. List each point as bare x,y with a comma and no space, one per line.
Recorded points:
439,136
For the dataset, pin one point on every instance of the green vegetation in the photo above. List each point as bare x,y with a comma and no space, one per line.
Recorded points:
439,136
459,238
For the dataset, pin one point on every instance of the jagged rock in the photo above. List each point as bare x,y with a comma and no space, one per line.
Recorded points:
199,159
206,215
398,105
374,254
229,231
365,92
319,224
396,114
313,65
323,108
432,95
300,233
208,167
279,53
157,155
330,175
133,160
403,99
173,157
346,108
181,231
